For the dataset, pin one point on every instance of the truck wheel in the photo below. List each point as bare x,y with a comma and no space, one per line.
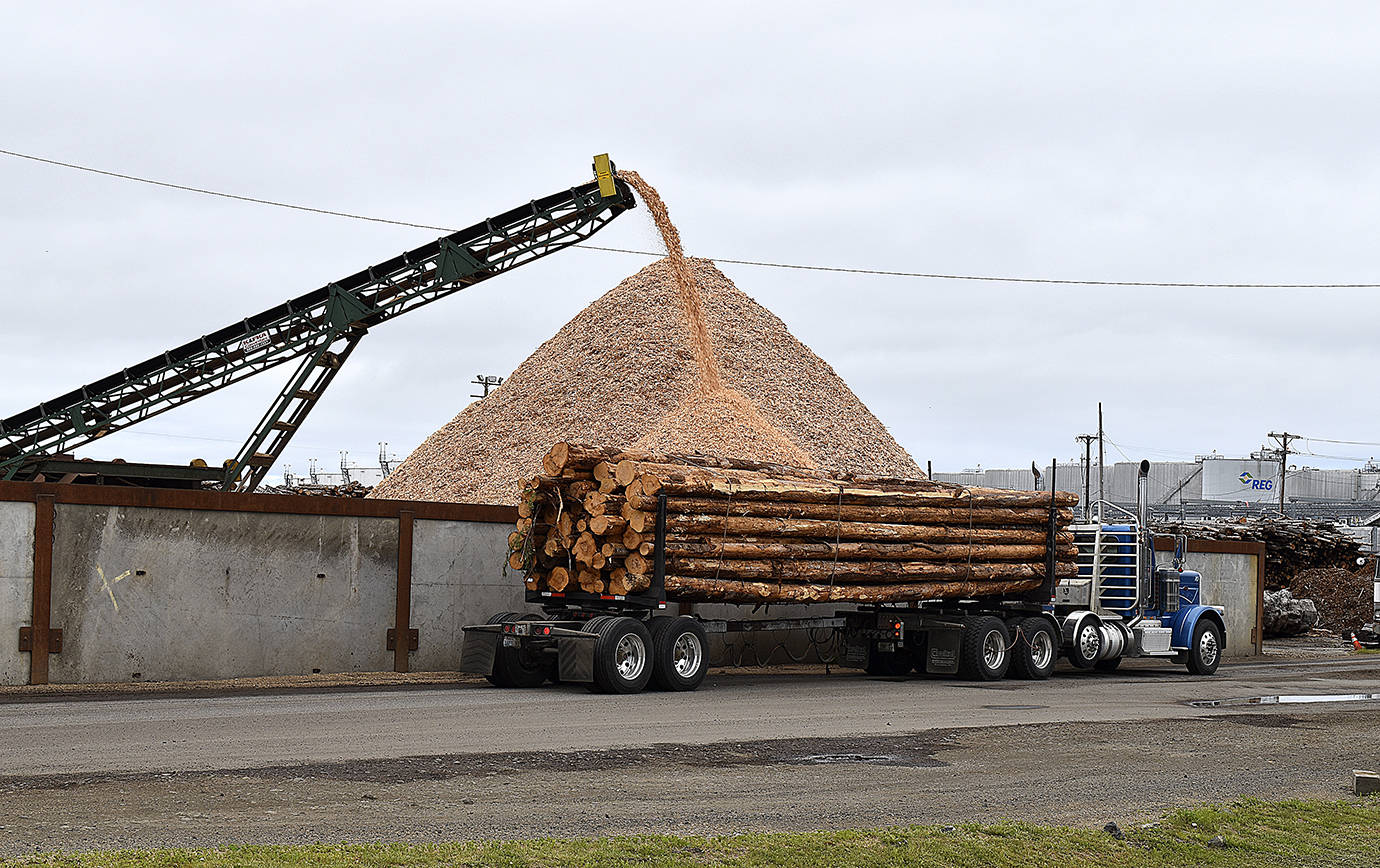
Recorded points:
1035,651
622,654
680,653
1205,650
985,652
1087,644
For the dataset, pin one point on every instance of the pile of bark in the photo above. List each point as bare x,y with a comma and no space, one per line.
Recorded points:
750,531
1291,545
1345,600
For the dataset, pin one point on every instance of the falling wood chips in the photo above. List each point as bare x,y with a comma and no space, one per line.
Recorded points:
623,372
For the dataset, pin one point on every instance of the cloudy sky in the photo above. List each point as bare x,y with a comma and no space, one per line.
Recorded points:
1196,142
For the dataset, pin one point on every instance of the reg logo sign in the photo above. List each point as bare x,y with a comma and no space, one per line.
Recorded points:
1256,484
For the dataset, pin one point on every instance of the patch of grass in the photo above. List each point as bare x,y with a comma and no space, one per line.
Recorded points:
1254,833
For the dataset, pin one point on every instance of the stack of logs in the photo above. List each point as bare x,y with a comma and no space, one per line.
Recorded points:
746,531
1292,545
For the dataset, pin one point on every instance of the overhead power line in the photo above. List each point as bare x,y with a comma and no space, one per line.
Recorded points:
1344,442
205,192
978,277
750,262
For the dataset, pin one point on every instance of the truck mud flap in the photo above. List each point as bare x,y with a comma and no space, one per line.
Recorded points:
478,651
576,659
942,650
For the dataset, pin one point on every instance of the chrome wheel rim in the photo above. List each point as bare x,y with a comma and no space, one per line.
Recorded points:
686,655
1089,642
993,650
630,657
1207,648
1041,649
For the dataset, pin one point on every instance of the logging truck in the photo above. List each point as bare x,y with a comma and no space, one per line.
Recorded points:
1117,604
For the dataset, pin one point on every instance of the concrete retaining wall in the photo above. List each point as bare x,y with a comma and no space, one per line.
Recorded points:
16,587
457,579
180,595
178,585
1231,579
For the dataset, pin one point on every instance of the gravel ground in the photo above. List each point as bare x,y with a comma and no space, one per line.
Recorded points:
1074,773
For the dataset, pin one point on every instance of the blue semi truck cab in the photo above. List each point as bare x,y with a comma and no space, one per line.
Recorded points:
1122,603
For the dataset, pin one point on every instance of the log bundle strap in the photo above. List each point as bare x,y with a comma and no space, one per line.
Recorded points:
748,531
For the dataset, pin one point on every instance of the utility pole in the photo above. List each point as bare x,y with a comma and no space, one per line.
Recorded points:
1101,461
1283,439
486,382
1086,440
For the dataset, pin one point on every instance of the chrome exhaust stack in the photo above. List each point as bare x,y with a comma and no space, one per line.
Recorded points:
1143,496
1146,541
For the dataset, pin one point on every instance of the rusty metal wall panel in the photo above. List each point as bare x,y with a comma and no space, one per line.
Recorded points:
276,504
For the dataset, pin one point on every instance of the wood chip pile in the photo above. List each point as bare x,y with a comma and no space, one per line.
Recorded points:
1291,545
757,532
675,358
615,374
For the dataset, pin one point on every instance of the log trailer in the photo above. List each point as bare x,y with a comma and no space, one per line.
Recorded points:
318,330
1121,604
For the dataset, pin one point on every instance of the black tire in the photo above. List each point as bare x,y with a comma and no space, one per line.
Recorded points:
680,653
623,654
1035,649
1087,644
1202,658
985,650
1108,665
511,667
888,664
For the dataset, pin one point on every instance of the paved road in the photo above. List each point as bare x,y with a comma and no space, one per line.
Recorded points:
193,733
748,752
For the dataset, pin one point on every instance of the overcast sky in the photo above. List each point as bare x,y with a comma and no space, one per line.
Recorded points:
1198,141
